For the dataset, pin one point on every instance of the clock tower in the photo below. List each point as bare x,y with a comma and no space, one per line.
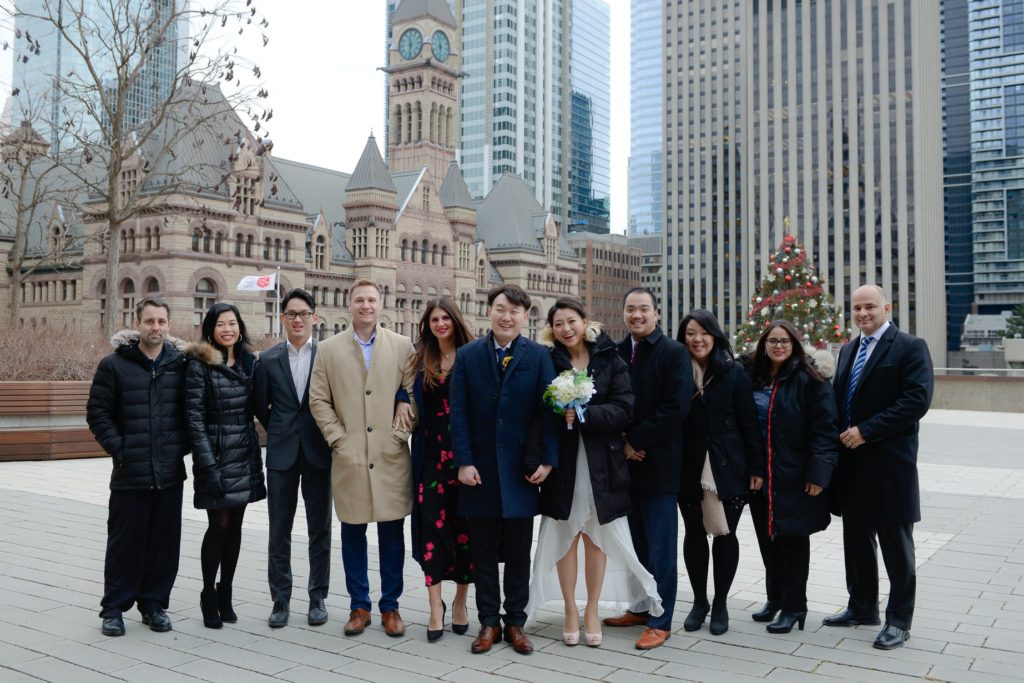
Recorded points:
423,78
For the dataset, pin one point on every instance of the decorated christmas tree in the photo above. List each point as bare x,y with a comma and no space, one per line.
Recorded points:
792,291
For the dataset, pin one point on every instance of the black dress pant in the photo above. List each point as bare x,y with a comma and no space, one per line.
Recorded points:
772,577
860,550
787,561
143,544
282,499
508,540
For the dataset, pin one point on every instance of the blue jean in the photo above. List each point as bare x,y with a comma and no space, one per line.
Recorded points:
355,558
654,525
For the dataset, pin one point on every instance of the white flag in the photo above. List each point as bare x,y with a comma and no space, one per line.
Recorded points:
257,283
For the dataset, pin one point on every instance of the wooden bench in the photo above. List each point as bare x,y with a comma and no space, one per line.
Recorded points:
50,443
45,399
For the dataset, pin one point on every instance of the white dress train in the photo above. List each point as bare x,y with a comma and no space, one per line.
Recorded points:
627,584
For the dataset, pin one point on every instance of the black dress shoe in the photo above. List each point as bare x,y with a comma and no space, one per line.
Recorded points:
227,612
786,620
433,635
157,620
317,612
850,618
891,637
279,615
113,626
696,617
766,613
719,623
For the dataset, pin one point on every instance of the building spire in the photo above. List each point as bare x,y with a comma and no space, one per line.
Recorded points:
371,173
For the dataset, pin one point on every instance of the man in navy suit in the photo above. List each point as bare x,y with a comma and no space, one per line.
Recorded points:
497,390
884,387
297,456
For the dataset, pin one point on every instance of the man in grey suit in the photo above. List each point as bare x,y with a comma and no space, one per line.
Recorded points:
297,455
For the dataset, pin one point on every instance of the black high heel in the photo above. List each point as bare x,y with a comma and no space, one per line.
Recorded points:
696,617
208,605
434,635
719,623
766,613
785,621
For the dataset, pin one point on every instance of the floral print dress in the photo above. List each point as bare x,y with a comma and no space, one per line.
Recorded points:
445,535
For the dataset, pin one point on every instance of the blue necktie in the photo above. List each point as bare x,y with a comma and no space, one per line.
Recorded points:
858,367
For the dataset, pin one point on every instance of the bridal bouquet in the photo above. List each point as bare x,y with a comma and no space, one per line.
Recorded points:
571,390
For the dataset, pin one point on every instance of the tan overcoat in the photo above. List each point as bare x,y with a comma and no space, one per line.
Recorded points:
371,472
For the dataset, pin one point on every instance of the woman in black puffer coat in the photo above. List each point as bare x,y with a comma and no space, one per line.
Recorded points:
797,408
226,459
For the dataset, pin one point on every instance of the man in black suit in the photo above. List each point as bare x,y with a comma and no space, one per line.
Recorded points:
297,455
662,379
884,387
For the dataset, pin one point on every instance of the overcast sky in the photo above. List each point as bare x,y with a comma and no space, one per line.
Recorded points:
320,67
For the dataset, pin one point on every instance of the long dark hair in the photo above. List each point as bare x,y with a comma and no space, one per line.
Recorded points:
761,372
242,346
721,354
428,349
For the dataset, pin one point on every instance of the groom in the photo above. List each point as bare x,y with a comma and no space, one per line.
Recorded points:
496,396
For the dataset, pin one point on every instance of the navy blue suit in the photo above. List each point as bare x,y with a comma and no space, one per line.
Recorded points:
297,455
877,482
493,414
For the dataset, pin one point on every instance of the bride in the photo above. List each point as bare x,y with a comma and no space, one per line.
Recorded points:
587,496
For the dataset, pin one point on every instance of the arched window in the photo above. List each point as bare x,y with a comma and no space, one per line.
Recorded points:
288,250
239,241
433,122
156,239
337,297
149,239
408,122
266,249
127,302
433,255
398,124
277,250
337,328
101,290
405,246
534,323
195,239
320,253
415,250
322,332
248,246
206,241
419,122
444,255
204,297
218,242
151,285
424,252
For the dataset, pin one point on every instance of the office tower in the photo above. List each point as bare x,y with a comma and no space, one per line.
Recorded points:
54,86
647,116
837,131
996,33
590,131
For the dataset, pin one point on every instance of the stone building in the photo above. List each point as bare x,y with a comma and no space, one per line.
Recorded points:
410,225
610,265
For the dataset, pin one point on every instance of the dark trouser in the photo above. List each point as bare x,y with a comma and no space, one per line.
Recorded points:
772,577
697,556
143,544
654,527
282,499
787,561
496,539
355,559
860,552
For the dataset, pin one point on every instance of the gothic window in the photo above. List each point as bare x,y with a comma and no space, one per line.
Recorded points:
433,255
415,250
337,297
151,285
127,302
248,246
320,253
405,246
423,253
204,297
419,122
195,239
218,242
398,124
288,250
206,241
444,255
408,123
266,248
277,250
156,239
433,121
239,241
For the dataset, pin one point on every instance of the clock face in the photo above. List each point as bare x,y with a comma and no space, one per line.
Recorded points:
410,43
440,46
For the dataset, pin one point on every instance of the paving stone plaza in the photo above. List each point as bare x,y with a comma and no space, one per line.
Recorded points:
969,623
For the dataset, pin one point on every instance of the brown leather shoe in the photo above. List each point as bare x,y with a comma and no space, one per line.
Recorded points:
358,620
393,624
516,637
627,619
488,636
652,638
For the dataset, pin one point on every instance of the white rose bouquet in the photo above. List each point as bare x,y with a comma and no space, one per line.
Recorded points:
571,390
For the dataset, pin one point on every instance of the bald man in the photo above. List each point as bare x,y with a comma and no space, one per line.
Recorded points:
884,387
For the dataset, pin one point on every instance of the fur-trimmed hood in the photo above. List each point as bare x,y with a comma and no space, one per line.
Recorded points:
823,361
130,337
590,334
205,352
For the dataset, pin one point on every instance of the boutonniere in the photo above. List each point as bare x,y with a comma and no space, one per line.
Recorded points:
505,361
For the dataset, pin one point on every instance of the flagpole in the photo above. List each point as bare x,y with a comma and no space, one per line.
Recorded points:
277,290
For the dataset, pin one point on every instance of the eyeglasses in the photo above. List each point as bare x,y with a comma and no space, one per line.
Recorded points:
779,342
292,315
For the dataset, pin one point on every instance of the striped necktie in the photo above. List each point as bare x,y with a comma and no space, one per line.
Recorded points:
858,367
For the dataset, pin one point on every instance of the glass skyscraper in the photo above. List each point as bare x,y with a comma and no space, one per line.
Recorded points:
590,130
647,116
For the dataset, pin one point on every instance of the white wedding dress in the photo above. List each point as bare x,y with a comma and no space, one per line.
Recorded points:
627,584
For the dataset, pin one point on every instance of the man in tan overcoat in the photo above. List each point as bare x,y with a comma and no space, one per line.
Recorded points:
356,376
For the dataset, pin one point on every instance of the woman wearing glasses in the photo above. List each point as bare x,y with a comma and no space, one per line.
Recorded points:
797,410
723,457
227,466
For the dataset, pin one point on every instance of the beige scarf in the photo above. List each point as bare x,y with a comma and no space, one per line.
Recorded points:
711,506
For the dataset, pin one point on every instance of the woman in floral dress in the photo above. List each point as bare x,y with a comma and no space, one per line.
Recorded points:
440,537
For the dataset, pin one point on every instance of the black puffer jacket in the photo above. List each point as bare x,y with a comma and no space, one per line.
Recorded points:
608,414
137,416
219,414
803,447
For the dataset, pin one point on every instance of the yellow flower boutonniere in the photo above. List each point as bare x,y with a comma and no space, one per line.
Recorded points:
505,361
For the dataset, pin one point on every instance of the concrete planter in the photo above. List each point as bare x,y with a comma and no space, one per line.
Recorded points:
45,421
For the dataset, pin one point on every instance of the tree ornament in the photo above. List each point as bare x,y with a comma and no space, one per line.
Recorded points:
788,278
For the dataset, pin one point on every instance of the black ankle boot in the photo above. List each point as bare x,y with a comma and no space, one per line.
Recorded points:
696,616
227,612
211,614
719,618
786,620
766,613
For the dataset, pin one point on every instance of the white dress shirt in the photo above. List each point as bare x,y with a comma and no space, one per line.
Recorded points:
875,336
301,361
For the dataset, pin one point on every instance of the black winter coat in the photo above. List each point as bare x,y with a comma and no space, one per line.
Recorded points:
219,414
607,416
662,389
803,447
137,416
723,423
